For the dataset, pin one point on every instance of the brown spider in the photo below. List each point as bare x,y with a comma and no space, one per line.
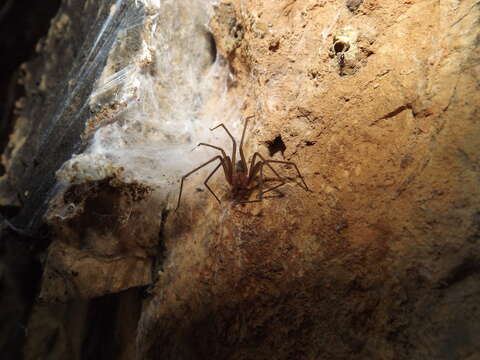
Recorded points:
242,180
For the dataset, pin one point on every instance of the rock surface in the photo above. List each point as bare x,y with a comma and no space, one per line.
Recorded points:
377,104
379,109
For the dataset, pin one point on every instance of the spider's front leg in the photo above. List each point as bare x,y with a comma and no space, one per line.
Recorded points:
242,155
234,150
218,157
227,163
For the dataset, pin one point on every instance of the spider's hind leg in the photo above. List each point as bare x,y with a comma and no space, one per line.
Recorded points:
208,178
304,187
258,167
255,168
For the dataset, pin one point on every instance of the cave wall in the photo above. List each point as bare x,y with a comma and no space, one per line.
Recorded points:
22,25
377,104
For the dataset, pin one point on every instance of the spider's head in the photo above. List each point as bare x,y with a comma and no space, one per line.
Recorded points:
239,167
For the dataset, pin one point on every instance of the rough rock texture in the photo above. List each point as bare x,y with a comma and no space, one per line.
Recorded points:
104,243
22,24
377,104
379,108
39,131
101,328
52,115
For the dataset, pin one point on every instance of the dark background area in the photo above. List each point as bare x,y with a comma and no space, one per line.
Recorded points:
22,24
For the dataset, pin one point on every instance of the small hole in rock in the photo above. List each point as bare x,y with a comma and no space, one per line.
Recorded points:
276,145
353,5
340,46
212,46
274,45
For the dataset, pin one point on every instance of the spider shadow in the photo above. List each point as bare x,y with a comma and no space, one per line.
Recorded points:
273,194
277,195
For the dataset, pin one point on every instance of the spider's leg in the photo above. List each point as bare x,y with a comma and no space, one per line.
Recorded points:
305,187
258,167
260,196
242,156
254,169
208,178
227,163
282,181
218,157
234,150
273,187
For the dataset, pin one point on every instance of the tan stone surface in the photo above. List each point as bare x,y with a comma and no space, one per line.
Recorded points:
104,241
381,259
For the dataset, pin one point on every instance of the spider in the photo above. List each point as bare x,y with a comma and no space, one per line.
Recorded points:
242,179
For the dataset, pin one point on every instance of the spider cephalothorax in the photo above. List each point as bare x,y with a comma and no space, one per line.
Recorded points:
242,179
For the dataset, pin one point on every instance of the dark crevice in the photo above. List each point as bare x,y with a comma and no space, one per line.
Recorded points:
19,284
340,47
276,145
9,211
100,338
466,269
475,237
396,111
212,46
160,258
111,325
22,24
393,113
